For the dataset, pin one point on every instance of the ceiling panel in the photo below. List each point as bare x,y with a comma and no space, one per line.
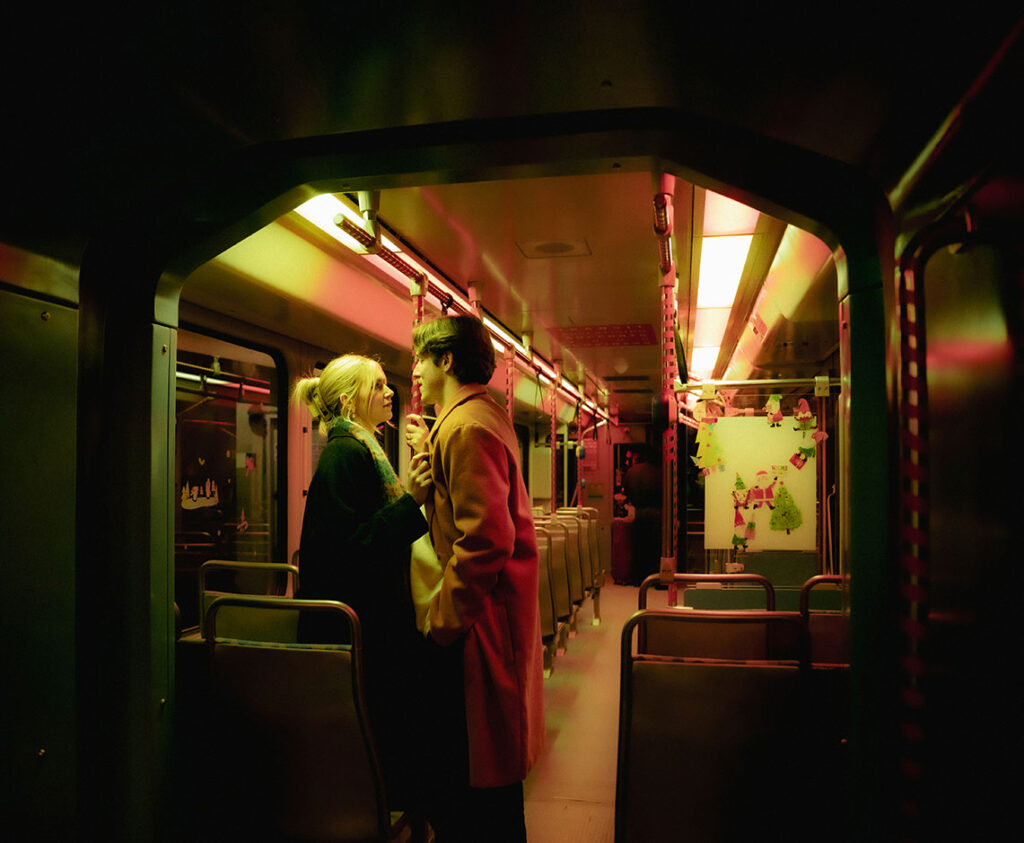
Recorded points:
550,257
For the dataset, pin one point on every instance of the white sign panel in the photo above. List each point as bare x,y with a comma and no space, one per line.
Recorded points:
760,489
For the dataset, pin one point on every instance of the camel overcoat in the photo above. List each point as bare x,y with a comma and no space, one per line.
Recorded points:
482,529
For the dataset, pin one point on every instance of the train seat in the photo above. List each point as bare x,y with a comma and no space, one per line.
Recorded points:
293,755
828,628
573,561
220,577
580,522
545,599
561,586
716,751
590,552
740,636
708,636
721,591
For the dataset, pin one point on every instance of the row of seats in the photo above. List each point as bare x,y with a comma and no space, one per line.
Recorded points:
572,569
826,631
295,755
728,724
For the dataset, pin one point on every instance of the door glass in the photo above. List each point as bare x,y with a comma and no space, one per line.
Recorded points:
225,459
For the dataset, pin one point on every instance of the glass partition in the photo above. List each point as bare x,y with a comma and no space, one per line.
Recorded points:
226,448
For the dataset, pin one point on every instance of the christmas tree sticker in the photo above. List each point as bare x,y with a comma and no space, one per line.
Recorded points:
709,451
786,516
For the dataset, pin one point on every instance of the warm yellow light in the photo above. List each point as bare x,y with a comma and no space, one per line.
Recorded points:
702,361
321,211
727,216
709,326
503,335
721,265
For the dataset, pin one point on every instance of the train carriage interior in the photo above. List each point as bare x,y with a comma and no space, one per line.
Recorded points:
692,233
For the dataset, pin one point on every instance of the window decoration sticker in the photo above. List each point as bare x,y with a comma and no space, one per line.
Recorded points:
773,410
763,494
803,417
742,505
743,530
786,515
802,455
199,495
709,456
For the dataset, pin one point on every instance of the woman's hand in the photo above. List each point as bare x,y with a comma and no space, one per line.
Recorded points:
416,433
420,479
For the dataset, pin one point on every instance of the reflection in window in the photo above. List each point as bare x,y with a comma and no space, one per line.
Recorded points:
225,460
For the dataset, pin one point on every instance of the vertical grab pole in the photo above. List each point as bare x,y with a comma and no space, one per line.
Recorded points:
669,453
554,442
418,288
510,381
581,483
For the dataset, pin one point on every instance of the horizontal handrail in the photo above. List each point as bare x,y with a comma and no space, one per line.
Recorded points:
695,579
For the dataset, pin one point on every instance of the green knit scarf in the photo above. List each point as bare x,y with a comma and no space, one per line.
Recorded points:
392,485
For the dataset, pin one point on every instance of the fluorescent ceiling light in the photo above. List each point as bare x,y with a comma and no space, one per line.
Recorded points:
702,361
721,264
504,335
709,326
321,211
727,216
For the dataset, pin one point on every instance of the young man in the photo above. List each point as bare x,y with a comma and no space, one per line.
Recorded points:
486,611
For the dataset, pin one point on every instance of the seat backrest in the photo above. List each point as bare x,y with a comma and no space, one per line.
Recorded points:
295,755
711,750
684,581
581,520
742,635
589,541
545,598
573,563
829,630
220,577
560,591
594,521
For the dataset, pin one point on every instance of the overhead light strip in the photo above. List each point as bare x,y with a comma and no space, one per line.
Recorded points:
321,212
723,257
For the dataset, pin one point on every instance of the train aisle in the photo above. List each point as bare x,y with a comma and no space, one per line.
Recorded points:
570,793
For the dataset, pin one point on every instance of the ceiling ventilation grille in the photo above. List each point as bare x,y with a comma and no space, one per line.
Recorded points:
554,248
605,336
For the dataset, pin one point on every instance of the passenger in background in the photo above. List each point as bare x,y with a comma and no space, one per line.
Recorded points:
358,527
642,484
485,617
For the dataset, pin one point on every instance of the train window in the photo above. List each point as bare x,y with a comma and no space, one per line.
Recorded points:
225,459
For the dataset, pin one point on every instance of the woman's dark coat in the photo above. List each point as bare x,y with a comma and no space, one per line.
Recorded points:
355,547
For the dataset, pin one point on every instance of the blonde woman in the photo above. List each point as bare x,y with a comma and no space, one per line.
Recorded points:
358,527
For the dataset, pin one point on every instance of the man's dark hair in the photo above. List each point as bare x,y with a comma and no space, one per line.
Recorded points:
468,341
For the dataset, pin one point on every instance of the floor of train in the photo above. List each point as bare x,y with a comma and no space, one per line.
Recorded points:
570,793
